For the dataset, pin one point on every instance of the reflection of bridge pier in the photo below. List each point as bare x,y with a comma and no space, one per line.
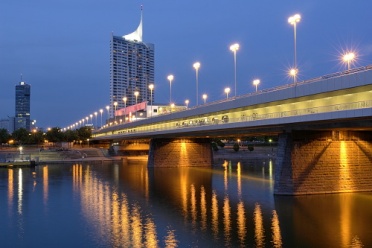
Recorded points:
323,162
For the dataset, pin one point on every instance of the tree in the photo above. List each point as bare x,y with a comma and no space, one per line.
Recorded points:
36,137
54,135
21,135
236,147
4,135
70,136
84,133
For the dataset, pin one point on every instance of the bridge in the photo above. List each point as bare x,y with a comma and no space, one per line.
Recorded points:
324,128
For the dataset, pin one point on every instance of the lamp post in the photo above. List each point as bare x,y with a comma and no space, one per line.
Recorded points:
256,82
205,98
293,20
227,91
95,113
136,93
151,87
196,66
234,48
101,111
83,120
170,78
187,103
87,118
115,104
348,58
91,119
108,113
125,106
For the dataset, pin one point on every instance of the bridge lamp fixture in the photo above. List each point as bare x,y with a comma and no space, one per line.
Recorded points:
187,103
125,106
108,113
196,66
136,93
205,98
234,48
87,118
227,91
348,58
256,82
151,87
293,20
170,78
115,105
293,73
95,113
91,118
101,111
172,106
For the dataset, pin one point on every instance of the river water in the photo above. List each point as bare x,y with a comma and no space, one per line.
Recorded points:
130,205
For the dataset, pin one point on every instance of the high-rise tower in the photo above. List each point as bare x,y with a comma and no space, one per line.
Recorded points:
131,69
22,106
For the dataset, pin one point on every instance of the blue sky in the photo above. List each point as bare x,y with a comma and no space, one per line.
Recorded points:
62,47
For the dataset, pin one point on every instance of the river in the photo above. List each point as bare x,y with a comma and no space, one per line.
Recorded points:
129,205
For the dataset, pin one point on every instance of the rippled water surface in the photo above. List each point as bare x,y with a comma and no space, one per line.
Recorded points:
129,205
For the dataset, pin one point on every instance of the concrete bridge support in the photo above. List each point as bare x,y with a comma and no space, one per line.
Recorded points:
314,162
180,153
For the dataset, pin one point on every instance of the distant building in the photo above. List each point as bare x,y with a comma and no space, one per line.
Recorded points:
131,69
22,106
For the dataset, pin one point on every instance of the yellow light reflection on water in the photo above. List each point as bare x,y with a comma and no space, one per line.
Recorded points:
125,221
214,210
227,220
170,240
136,227
275,229
45,184
242,229
150,234
258,226
346,182
239,179
203,209
10,187
193,209
20,191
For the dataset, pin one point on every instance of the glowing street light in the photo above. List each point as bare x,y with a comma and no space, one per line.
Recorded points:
293,20
108,113
293,73
348,58
136,93
125,106
101,111
256,82
205,98
196,66
170,78
151,87
115,104
187,103
95,113
227,91
91,119
234,48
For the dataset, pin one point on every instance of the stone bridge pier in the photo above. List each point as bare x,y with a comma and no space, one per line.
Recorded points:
315,162
180,153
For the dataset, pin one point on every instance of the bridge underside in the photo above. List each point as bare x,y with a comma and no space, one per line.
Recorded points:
314,162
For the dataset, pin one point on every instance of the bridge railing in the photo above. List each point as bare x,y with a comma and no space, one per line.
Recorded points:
207,120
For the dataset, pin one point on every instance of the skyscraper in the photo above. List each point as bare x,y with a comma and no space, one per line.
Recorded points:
22,106
131,69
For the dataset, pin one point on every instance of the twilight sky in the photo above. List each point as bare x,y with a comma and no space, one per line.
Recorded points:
62,47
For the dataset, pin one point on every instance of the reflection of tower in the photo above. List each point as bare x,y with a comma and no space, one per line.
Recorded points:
131,68
22,106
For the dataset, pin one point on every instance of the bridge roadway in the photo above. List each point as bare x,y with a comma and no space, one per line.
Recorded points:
340,100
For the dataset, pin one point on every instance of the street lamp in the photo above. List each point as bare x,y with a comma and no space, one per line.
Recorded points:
293,20
170,78
108,113
348,58
125,106
234,48
151,87
293,73
205,98
227,91
115,104
136,93
196,66
256,82
91,119
101,111
187,103
95,113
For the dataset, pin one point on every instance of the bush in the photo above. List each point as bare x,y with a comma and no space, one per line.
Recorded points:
236,147
214,146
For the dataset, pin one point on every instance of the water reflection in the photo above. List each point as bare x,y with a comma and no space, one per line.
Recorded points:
133,206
